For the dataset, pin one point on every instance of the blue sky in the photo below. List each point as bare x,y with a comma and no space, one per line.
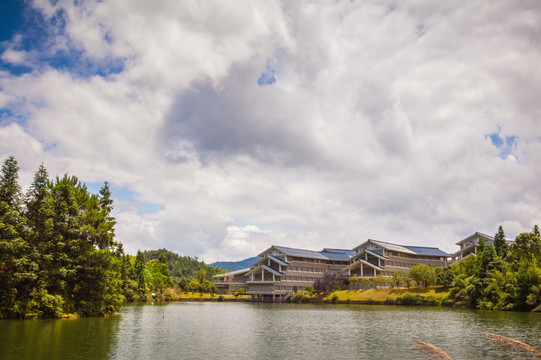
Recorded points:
11,18
226,127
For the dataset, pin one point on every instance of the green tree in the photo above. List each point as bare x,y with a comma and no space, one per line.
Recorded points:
500,244
423,274
157,275
18,271
139,269
40,226
526,246
536,231
354,282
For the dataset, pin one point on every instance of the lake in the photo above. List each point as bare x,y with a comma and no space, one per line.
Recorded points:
214,330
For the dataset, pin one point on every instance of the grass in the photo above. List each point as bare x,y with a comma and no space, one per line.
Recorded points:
381,296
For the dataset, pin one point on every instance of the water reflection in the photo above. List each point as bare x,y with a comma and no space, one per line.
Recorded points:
57,339
268,331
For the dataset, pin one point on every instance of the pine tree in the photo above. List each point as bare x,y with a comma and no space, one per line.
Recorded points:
140,273
500,244
536,231
17,270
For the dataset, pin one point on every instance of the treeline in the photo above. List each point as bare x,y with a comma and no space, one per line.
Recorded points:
58,254
57,248
156,270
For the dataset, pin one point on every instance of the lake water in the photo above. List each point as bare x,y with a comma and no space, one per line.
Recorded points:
268,331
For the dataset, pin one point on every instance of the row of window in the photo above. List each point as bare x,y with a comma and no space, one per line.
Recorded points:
414,256
315,261
299,278
303,268
398,264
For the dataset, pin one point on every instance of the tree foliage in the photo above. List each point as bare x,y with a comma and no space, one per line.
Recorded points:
500,243
506,280
58,253
423,274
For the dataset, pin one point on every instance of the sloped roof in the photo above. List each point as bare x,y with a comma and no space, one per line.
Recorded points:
431,251
271,270
237,272
301,252
474,235
338,254
389,246
279,261
414,250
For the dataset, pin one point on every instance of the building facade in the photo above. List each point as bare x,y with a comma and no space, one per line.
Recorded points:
283,271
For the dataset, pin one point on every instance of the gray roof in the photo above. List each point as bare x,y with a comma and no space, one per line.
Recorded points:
326,254
390,246
474,235
237,272
338,254
279,261
301,253
421,250
417,250
271,270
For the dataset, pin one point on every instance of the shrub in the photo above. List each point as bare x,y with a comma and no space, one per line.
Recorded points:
412,299
334,298
298,298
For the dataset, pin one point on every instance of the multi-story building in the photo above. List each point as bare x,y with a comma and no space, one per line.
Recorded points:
469,245
282,271
375,257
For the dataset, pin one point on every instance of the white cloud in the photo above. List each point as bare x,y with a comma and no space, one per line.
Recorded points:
377,125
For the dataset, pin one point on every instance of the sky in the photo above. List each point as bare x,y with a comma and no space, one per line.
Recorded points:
226,126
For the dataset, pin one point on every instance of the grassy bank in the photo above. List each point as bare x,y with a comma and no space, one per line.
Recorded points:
433,296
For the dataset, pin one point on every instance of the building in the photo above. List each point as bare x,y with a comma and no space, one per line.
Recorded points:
230,282
374,257
283,271
469,246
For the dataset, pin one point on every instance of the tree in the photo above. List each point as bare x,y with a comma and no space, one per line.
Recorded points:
397,278
39,219
500,244
17,270
57,249
139,269
444,275
536,231
526,246
423,274
354,282
157,275
330,282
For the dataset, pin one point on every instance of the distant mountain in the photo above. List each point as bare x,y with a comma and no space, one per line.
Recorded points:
236,265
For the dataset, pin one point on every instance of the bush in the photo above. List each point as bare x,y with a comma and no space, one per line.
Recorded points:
334,298
298,298
220,298
411,299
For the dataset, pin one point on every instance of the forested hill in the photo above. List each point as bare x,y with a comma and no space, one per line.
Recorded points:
236,265
183,267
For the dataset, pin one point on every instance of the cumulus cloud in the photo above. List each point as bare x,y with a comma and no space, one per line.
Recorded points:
311,125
